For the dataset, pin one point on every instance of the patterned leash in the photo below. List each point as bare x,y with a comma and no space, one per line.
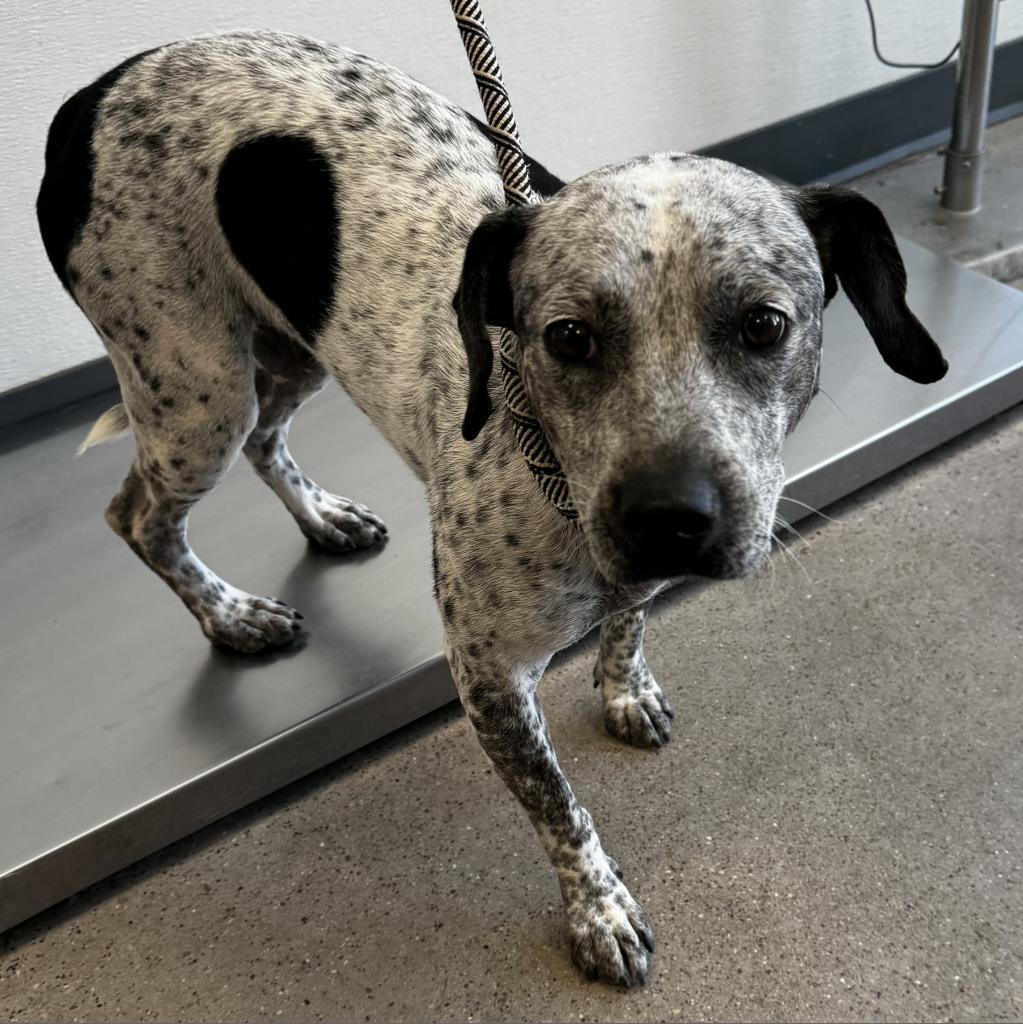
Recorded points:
504,133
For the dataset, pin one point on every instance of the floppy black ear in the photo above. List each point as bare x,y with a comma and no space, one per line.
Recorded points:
484,299
856,245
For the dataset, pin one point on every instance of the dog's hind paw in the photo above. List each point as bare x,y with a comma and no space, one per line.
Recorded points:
250,624
611,937
339,526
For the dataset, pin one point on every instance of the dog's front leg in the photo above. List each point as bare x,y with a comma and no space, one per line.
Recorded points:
635,709
611,937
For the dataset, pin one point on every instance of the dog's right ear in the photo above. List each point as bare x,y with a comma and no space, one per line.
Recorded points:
484,299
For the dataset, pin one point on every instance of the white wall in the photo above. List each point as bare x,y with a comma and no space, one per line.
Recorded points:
592,82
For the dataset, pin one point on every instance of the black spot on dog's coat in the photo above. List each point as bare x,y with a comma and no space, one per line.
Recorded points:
366,119
277,203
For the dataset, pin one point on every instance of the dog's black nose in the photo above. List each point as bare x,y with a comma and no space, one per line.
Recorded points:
668,518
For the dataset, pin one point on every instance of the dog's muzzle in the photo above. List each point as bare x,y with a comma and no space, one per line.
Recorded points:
669,523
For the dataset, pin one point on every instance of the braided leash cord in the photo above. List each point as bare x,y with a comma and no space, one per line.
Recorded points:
504,133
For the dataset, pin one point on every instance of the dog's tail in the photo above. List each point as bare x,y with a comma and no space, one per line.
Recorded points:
113,423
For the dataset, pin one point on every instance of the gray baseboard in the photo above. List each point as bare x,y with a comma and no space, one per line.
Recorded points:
853,136
57,391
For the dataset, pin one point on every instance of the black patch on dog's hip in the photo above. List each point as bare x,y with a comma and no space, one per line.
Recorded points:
65,196
277,204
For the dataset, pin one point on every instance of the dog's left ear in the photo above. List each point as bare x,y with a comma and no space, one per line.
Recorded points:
484,299
856,245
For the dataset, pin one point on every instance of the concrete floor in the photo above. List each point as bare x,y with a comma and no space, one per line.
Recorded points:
835,831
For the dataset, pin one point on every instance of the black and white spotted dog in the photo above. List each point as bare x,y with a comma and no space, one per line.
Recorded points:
243,216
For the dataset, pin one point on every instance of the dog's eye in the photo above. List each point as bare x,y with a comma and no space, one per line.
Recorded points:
570,341
763,327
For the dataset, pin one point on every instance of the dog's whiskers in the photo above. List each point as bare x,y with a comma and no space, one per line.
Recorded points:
791,554
809,508
780,520
833,402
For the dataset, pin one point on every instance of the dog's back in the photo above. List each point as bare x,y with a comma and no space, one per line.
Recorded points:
208,187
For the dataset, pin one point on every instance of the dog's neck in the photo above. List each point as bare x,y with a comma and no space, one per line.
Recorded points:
529,435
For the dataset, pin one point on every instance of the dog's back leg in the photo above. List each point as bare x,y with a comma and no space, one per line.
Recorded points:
286,376
190,415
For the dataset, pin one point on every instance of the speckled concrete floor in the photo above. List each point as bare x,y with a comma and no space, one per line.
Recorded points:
834,833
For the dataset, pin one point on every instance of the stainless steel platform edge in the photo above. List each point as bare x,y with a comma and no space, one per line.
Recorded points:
849,470
140,831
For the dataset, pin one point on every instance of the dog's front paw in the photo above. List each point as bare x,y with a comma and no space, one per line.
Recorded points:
635,708
643,719
611,937
339,526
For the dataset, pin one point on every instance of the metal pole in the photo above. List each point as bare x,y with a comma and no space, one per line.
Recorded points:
964,159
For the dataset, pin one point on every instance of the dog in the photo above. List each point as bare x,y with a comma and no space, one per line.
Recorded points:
243,216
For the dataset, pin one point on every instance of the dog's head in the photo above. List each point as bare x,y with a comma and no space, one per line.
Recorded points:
668,312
